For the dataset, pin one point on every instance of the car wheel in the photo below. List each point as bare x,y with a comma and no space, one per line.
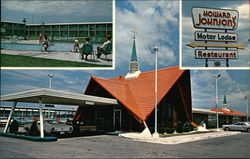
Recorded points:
27,129
226,129
248,130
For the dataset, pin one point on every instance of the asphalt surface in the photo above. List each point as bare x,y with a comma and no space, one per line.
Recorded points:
234,146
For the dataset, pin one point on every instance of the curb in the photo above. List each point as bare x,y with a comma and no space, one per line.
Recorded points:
30,138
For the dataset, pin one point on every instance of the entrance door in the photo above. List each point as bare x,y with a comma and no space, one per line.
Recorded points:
117,119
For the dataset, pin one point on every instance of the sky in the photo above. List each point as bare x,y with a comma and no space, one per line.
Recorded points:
54,11
157,23
242,6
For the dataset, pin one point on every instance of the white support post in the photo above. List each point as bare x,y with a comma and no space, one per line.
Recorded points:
10,116
247,107
114,119
41,118
156,91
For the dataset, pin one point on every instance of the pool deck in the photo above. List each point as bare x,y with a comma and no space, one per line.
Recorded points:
65,56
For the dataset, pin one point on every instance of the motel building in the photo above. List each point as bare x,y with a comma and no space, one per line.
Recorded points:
58,31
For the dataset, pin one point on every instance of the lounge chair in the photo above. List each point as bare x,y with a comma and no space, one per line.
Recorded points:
106,50
87,49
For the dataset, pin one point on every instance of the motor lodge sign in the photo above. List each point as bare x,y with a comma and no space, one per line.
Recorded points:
217,42
215,36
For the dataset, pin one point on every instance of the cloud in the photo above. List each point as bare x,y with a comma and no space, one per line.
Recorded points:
15,81
155,21
61,7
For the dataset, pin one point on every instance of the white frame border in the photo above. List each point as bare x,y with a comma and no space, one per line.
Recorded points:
78,68
198,68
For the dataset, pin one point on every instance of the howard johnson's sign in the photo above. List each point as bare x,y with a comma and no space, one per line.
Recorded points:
210,18
219,21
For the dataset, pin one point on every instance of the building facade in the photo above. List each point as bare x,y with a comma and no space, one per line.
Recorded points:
83,30
135,94
226,116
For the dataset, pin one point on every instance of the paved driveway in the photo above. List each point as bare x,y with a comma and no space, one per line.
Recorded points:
104,146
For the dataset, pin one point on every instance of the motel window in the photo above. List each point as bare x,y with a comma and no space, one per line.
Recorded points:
92,27
1,112
211,121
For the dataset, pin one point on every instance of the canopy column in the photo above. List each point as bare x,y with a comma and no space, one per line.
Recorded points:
10,116
41,118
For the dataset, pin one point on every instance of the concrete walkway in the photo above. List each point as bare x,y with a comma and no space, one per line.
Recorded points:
65,56
178,139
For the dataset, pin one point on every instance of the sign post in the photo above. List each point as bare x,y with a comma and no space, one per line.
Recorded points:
216,19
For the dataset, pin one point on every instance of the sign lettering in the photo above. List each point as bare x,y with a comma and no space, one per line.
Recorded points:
211,18
216,54
215,36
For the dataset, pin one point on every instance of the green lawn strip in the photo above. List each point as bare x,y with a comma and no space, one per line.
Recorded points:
181,134
26,61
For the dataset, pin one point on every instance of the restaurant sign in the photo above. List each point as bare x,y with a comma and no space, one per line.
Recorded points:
216,54
210,18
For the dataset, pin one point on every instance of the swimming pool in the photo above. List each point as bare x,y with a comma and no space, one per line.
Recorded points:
57,47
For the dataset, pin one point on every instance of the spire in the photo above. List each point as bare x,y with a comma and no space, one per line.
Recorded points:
133,66
225,102
134,71
134,56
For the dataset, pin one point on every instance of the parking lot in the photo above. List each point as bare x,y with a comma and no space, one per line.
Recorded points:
105,146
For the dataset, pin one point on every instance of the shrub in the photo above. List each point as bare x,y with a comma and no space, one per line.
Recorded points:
179,128
161,130
169,130
186,129
14,127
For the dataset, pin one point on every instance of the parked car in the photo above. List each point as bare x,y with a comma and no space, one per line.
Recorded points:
21,121
3,121
52,127
239,126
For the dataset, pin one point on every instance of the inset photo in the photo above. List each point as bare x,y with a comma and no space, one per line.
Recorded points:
214,35
57,34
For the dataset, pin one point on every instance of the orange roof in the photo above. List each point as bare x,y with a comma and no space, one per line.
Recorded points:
137,94
229,112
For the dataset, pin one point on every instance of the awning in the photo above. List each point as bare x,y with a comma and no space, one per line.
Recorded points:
50,96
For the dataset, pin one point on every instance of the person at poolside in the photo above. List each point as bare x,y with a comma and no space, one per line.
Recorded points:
76,46
100,49
45,43
40,38
86,43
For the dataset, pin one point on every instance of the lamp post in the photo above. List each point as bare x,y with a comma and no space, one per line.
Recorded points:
43,27
217,101
24,22
246,106
156,53
50,82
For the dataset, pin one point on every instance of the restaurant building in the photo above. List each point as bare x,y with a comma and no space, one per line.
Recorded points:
135,95
226,115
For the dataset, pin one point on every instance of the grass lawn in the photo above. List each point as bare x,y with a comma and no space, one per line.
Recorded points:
26,61
197,132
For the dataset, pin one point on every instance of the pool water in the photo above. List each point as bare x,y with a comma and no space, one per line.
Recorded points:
64,47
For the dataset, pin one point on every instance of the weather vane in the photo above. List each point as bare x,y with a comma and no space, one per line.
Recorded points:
134,32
